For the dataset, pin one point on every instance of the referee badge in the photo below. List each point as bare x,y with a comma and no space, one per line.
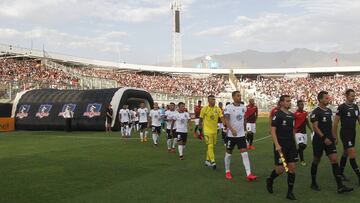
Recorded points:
349,114
324,119
284,122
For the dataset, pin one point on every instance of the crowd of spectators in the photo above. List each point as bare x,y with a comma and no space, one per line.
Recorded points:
29,73
161,83
304,88
32,74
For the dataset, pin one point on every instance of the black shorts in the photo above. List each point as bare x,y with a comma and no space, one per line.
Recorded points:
181,137
156,129
288,148
223,137
124,124
240,142
319,147
108,121
171,135
143,126
348,138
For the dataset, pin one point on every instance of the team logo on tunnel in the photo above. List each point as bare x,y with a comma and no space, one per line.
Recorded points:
23,111
93,110
72,108
44,111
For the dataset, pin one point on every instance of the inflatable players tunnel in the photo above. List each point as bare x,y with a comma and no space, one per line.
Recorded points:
42,109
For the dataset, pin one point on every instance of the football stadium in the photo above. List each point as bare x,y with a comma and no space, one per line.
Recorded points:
252,126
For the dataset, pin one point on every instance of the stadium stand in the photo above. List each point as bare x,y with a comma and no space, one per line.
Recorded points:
45,77
269,89
21,69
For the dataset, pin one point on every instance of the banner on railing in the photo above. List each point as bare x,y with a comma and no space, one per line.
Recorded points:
7,124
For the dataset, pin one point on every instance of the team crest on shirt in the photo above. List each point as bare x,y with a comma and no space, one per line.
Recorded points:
157,115
43,111
239,117
72,108
23,111
92,110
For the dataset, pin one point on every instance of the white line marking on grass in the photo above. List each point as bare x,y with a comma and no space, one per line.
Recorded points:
263,138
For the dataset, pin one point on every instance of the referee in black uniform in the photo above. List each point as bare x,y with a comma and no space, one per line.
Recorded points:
282,131
348,114
324,140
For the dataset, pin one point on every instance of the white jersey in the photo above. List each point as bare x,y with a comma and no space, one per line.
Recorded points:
125,115
136,116
155,117
169,117
68,114
237,115
143,115
132,115
181,121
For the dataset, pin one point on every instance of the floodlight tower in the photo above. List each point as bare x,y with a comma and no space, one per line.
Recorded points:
176,34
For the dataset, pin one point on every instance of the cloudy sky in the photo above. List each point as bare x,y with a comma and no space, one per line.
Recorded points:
139,31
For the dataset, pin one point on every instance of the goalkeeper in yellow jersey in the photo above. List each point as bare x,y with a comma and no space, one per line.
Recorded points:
209,116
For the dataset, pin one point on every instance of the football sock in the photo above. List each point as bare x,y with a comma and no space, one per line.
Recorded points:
227,161
246,162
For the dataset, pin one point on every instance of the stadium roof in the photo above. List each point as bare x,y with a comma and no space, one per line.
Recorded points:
9,49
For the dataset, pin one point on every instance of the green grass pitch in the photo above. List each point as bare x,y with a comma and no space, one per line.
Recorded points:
99,167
